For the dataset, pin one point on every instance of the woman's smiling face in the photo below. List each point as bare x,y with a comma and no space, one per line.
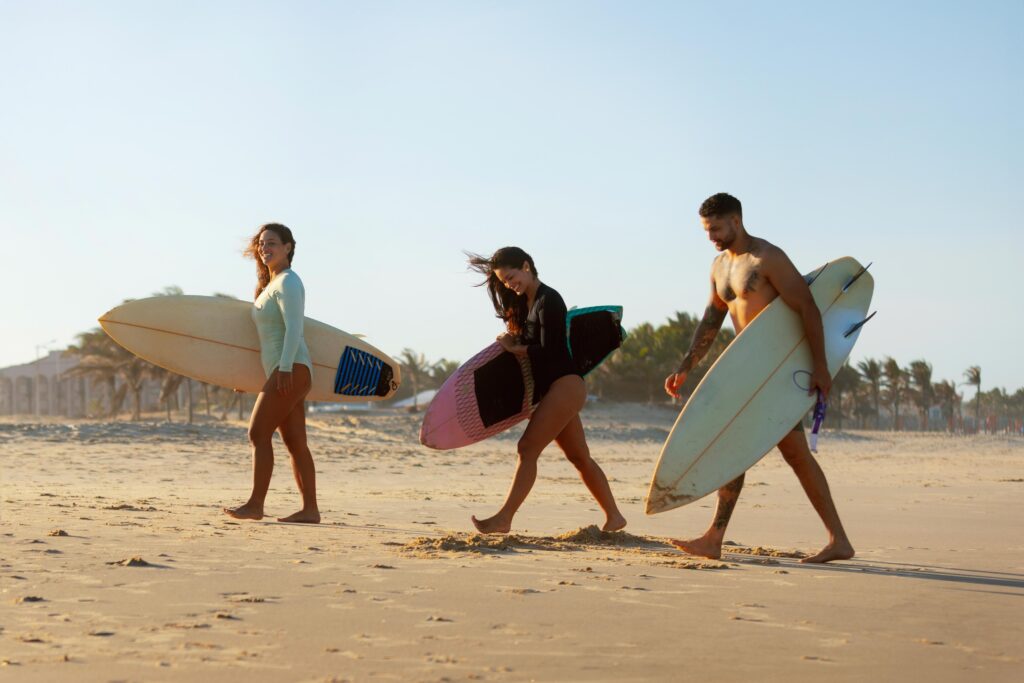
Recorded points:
272,251
516,279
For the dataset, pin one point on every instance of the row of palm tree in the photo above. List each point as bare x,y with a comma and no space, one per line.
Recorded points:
883,389
878,393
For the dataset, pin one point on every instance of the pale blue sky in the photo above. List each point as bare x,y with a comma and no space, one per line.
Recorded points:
142,143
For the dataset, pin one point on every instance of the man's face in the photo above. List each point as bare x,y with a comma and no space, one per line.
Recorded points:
721,230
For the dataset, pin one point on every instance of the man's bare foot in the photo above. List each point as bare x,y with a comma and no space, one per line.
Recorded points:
302,517
245,512
838,550
702,547
492,525
614,523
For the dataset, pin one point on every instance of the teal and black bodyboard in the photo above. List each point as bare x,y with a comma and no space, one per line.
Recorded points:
593,334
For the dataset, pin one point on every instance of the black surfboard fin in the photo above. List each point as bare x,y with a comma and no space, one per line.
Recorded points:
809,279
856,277
856,326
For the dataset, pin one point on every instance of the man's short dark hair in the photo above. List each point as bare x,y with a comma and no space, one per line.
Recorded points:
720,204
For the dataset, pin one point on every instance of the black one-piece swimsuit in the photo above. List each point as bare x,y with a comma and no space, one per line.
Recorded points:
545,338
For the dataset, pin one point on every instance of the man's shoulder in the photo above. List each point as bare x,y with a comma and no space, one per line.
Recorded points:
765,249
771,256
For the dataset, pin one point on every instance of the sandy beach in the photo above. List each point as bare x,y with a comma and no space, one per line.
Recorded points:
116,562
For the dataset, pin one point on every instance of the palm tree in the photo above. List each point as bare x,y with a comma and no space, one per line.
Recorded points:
845,382
1017,406
973,375
895,385
945,393
647,357
103,360
999,403
416,368
871,371
96,363
920,372
168,388
442,370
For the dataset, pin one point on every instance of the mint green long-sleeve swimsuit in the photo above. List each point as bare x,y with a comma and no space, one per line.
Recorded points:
279,314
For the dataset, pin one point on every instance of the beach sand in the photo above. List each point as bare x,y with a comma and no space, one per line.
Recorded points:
116,562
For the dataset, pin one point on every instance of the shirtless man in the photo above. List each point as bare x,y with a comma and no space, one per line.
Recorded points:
746,277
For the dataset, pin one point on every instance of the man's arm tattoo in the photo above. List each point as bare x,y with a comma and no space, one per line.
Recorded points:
703,337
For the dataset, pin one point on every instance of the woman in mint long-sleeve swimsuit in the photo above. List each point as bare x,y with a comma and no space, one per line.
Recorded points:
279,314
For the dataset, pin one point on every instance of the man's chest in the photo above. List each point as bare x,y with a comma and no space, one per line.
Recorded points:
738,279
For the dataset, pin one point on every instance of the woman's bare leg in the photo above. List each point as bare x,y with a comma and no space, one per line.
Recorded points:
270,410
563,401
573,443
293,433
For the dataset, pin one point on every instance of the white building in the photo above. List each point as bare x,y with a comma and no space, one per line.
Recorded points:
39,388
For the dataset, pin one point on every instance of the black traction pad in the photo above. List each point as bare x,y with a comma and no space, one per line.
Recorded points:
592,336
499,389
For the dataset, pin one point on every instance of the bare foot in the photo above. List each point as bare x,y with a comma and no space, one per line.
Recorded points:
245,512
492,525
702,547
302,517
614,523
838,550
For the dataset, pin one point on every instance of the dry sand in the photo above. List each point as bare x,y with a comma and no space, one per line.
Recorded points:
117,564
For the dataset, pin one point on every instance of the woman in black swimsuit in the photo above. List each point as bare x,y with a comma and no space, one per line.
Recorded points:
534,315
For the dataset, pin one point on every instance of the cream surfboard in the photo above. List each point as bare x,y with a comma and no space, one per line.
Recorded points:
757,389
213,339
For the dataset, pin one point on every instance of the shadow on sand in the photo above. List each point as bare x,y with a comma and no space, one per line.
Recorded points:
978,577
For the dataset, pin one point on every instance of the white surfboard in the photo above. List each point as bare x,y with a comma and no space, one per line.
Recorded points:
757,389
213,339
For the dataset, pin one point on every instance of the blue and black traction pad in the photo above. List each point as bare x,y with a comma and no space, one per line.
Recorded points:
592,334
362,374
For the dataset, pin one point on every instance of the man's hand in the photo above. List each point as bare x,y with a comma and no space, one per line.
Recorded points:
673,383
284,382
821,381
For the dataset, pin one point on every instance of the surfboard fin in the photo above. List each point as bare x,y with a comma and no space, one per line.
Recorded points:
856,326
809,279
856,277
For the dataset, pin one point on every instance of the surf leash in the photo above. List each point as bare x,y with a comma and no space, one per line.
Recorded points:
819,417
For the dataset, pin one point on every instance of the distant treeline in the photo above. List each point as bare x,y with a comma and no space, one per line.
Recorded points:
874,393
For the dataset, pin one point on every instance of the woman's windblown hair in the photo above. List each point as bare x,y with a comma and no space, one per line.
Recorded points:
253,251
509,306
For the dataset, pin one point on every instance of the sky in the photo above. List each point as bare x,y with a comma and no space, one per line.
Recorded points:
141,145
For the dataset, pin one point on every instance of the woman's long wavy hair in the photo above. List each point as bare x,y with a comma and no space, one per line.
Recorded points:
253,252
509,306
